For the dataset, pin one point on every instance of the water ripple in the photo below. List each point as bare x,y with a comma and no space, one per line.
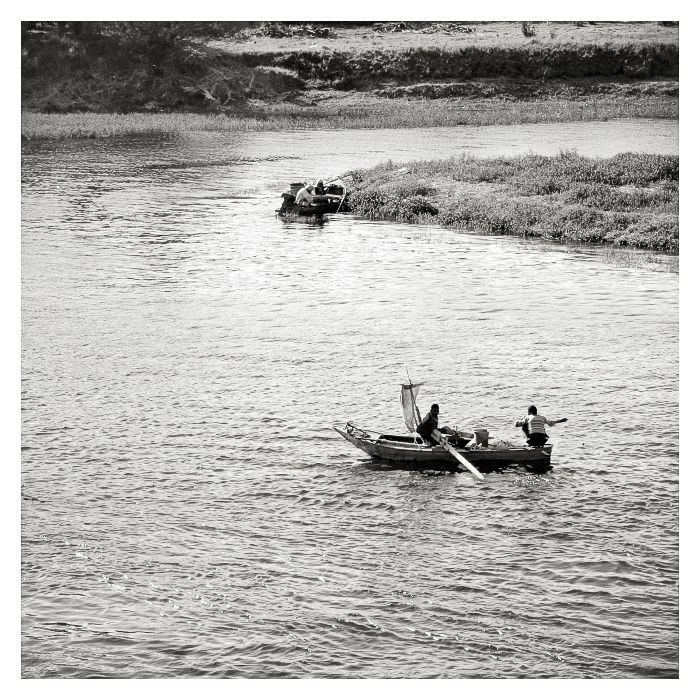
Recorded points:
187,510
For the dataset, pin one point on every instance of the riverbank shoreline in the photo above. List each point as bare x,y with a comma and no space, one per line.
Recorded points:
355,112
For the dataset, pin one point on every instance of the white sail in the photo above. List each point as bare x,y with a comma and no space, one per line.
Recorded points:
411,415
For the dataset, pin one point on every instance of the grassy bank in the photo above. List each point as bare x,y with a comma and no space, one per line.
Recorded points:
356,112
628,200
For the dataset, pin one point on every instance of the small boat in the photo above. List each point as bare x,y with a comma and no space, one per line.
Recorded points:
412,449
480,451
329,202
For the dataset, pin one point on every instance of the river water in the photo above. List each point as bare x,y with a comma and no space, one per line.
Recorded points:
187,510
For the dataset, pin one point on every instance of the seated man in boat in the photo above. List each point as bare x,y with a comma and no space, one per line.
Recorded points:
428,424
533,427
310,193
305,195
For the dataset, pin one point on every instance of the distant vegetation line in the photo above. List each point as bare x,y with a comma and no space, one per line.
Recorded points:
375,114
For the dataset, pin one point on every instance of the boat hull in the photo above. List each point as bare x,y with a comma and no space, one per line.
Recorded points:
310,210
421,456
322,204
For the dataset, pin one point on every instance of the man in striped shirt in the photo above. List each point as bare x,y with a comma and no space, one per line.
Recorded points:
533,427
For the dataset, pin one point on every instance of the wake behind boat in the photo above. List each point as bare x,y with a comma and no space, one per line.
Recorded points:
480,452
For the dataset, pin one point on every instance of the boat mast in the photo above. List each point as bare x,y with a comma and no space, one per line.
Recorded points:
413,398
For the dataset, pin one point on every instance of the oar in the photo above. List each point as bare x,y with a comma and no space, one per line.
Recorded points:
460,458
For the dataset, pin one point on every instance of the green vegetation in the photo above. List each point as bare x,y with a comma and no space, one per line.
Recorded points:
371,113
628,200
123,66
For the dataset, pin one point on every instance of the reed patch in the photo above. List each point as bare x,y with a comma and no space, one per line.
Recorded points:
630,199
365,112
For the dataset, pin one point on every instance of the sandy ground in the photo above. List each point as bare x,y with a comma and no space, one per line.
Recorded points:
453,35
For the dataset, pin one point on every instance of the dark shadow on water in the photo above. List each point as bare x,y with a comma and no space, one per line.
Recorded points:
378,465
213,162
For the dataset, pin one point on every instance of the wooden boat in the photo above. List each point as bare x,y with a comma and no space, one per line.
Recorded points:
415,453
329,203
474,450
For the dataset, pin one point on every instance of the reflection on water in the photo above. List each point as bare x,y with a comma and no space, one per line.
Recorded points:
189,511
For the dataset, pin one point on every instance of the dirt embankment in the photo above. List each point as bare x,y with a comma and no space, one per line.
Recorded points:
126,70
350,71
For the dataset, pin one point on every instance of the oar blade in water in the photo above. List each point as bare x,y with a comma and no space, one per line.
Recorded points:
460,458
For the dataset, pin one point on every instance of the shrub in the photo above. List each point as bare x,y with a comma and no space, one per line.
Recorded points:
612,198
414,208
659,232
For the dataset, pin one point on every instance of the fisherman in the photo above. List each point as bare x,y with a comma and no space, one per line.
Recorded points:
311,193
428,424
533,426
305,194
